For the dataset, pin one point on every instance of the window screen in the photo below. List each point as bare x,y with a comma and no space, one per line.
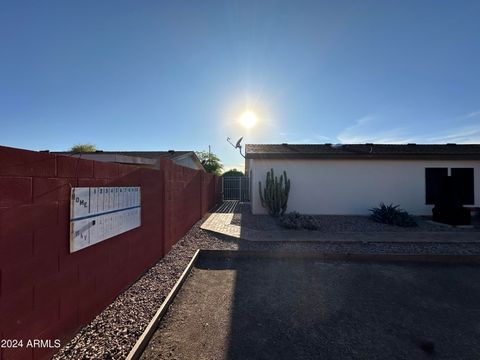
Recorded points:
463,182
434,178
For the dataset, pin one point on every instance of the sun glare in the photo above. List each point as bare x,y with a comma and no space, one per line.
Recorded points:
248,119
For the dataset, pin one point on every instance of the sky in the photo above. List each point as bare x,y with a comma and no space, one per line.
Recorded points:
161,75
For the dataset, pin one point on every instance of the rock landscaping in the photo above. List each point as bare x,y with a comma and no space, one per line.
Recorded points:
114,332
340,223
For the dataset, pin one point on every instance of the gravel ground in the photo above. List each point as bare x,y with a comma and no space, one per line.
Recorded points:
339,223
113,333
277,309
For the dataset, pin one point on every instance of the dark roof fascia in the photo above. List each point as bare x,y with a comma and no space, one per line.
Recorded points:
458,157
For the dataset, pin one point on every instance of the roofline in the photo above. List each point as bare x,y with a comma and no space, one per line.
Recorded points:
135,158
128,152
181,156
355,154
195,159
363,156
104,157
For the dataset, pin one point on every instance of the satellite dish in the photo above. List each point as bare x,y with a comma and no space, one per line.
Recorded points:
238,146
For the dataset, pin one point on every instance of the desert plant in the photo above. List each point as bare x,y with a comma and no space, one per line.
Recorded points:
392,215
296,221
275,194
404,219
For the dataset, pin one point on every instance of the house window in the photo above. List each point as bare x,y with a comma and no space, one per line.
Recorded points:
463,182
434,178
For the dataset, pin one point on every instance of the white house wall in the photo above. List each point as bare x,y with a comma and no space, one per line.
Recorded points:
339,187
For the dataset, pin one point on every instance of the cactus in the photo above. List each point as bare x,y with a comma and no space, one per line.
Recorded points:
275,194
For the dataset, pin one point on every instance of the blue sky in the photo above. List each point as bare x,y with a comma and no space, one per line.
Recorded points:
158,75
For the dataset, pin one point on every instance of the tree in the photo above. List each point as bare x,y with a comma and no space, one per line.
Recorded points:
83,148
233,172
211,162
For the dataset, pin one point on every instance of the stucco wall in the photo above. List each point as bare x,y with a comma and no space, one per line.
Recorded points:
353,186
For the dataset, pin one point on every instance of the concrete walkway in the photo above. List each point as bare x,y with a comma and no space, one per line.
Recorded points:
220,223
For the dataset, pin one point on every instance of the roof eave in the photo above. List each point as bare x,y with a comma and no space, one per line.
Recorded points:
365,156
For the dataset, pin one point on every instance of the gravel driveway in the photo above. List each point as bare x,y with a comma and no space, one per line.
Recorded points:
277,309
113,333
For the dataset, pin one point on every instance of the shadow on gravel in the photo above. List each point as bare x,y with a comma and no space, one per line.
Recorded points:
308,309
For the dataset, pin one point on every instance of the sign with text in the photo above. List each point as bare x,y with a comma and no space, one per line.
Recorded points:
99,213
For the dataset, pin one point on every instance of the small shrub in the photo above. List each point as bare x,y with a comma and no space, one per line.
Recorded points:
296,221
291,221
308,223
392,215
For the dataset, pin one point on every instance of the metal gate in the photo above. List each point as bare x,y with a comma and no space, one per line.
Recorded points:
236,188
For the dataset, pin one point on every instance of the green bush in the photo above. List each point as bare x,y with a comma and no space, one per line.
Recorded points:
296,221
392,215
83,148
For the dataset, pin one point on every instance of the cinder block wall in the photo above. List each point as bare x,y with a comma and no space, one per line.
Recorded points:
48,293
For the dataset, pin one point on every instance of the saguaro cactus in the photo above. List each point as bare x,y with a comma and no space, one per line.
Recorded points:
275,194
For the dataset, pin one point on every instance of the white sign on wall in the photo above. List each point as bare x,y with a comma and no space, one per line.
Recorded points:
99,213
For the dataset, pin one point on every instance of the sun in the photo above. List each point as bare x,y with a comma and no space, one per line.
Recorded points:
248,119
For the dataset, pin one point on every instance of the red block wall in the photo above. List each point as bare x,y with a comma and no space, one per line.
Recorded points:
48,293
